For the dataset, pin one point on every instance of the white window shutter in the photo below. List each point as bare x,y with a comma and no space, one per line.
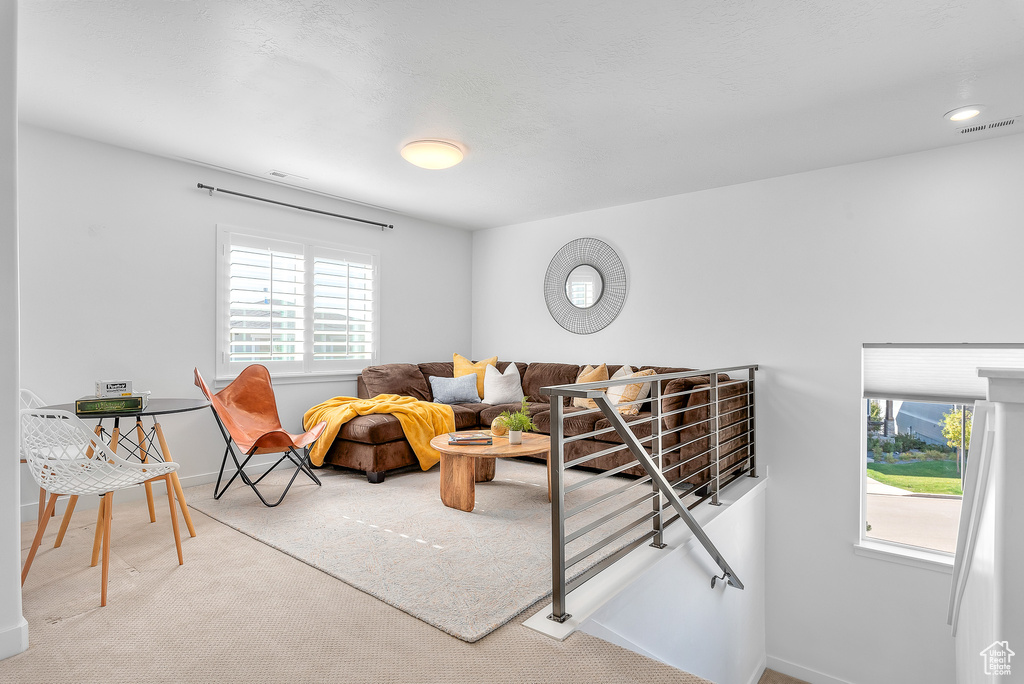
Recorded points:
344,296
266,303
933,372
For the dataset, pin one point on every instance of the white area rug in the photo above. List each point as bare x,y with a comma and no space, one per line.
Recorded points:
464,573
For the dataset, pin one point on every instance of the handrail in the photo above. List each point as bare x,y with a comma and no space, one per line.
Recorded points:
979,461
590,390
712,476
637,450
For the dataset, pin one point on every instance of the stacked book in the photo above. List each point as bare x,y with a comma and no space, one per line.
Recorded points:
130,404
469,438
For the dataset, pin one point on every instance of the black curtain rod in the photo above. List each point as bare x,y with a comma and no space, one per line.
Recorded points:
293,206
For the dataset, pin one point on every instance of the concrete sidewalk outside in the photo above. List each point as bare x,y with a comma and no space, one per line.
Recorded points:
876,487
926,521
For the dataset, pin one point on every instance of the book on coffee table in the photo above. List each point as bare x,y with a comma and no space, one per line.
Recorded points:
469,438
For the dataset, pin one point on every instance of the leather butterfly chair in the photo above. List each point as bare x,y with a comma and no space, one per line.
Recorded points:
246,413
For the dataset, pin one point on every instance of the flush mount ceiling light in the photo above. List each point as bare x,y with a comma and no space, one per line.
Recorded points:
965,113
432,154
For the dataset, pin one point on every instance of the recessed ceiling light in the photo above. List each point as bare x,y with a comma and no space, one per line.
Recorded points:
965,113
432,154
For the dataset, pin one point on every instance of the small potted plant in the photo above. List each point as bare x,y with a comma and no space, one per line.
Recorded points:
516,422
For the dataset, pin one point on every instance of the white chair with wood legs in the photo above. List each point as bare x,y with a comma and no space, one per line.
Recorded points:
66,457
30,399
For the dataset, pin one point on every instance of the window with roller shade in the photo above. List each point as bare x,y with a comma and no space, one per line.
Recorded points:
918,409
296,307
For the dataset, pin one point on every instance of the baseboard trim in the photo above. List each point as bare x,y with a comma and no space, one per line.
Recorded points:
755,677
14,640
801,672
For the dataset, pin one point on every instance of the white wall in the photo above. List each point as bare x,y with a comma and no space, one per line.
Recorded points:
13,628
671,613
794,273
96,219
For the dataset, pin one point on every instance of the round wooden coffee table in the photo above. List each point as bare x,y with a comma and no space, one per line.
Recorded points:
463,466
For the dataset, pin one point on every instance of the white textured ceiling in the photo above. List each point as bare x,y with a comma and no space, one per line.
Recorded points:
562,106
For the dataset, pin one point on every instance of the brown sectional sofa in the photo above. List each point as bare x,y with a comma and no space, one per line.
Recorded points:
375,443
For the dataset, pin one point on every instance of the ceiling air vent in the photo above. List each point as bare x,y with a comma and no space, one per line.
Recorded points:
284,174
1008,122
984,127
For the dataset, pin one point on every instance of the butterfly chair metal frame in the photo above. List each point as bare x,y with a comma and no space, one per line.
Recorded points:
246,413
66,457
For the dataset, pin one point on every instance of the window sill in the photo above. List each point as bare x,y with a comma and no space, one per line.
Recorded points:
937,561
298,378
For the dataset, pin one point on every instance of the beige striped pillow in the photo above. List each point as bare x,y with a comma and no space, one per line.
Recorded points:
590,374
623,393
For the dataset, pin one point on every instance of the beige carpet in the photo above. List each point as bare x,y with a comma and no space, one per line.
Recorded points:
240,611
773,677
464,573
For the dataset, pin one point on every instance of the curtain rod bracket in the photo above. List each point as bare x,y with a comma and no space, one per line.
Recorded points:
211,188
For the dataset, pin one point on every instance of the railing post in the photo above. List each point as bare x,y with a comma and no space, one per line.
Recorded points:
751,424
715,465
556,461
656,456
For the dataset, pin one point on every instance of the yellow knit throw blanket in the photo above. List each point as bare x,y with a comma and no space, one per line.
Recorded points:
421,422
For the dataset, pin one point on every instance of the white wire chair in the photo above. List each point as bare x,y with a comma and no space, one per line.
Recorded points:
30,399
66,457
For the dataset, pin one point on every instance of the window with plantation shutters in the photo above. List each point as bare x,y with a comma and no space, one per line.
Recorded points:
343,298
298,308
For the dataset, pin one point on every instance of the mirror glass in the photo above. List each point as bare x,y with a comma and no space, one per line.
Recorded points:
583,286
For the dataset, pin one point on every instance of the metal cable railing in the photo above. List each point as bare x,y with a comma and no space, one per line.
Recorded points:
692,451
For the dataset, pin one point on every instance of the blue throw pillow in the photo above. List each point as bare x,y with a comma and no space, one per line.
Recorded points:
455,390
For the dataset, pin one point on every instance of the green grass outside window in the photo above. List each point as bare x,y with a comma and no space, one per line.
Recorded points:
922,477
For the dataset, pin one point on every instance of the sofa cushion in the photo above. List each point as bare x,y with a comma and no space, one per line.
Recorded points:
573,423
546,374
468,415
641,428
491,412
375,428
503,366
441,369
379,428
396,378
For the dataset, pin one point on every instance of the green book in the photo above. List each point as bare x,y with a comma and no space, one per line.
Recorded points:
90,405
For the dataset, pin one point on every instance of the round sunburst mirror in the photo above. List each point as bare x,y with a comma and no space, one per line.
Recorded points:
585,286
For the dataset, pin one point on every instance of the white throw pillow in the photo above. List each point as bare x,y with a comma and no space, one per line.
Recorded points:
622,372
615,391
502,388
